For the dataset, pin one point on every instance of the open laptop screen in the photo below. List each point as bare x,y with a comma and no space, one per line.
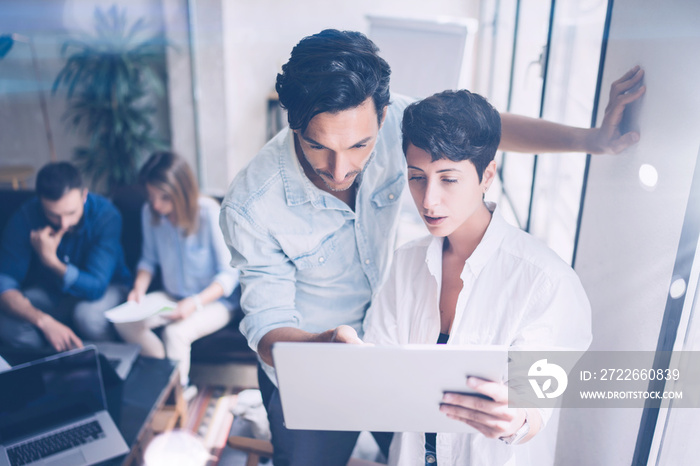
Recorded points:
49,392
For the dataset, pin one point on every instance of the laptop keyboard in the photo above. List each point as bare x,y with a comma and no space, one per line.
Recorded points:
26,453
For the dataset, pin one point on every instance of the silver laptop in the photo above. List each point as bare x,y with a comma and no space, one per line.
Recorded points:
331,386
53,412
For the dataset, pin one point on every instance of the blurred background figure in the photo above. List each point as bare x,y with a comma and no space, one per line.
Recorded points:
181,236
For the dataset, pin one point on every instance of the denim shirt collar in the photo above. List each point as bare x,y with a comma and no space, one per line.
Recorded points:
298,189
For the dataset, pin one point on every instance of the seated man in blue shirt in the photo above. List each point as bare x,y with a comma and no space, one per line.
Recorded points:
59,253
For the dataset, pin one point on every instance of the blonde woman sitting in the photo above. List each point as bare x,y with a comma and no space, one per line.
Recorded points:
181,236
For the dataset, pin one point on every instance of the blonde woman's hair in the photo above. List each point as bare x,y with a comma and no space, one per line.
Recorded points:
171,173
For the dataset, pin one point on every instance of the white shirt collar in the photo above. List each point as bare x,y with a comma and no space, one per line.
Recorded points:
488,245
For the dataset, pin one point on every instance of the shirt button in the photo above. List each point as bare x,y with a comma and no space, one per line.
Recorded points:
322,260
391,196
367,261
430,459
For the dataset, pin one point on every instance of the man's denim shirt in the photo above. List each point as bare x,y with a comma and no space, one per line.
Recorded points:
92,252
306,259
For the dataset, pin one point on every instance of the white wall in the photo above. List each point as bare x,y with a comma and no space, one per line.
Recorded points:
630,234
260,34
239,46
183,137
22,136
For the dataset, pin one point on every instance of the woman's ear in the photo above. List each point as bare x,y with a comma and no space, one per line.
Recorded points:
488,176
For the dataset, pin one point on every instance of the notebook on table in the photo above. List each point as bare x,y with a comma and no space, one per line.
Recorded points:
53,412
119,357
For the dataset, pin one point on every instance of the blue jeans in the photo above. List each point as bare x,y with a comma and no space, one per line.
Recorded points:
430,449
430,458
86,318
308,447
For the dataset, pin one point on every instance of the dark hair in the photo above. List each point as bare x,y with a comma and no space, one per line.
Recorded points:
56,179
171,173
457,125
329,72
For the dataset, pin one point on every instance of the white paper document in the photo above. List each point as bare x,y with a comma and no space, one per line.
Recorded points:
151,304
4,365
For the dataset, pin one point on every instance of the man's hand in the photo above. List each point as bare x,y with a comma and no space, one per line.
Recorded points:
494,418
345,334
607,139
184,309
45,242
340,334
60,336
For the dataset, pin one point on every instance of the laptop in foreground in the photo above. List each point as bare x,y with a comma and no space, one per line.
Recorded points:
53,412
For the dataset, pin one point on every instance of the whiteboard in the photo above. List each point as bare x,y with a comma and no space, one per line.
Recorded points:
426,56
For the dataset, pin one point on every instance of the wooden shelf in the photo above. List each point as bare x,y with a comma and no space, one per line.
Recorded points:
16,175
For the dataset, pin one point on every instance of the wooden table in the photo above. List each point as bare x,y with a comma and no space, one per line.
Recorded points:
149,402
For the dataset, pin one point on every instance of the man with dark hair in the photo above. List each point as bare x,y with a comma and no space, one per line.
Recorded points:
59,253
356,73
311,221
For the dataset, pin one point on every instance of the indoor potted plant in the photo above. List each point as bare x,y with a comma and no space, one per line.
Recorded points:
112,80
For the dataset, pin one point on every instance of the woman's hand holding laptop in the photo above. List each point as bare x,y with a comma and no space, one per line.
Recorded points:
491,416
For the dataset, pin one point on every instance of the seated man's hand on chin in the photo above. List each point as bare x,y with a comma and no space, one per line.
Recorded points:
45,242
493,418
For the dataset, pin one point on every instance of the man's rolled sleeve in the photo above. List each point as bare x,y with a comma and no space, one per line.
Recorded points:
267,276
95,275
255,326
70,276
8,283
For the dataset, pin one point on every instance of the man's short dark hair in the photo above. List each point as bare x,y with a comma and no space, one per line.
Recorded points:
57,178
457,125
332,71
